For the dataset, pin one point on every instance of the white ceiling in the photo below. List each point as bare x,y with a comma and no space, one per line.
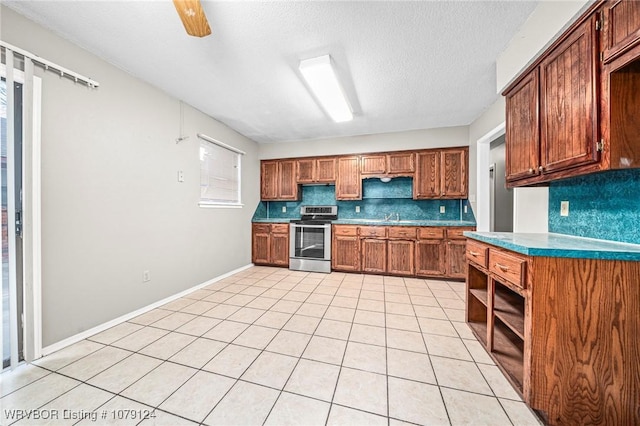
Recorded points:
405,65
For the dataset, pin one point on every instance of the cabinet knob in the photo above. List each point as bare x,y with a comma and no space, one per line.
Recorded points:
541,168
530,170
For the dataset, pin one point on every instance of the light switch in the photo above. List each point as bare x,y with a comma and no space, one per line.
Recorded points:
564,208
442,209
357,209
284,209
180,176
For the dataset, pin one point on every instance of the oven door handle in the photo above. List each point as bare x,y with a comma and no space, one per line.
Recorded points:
301,225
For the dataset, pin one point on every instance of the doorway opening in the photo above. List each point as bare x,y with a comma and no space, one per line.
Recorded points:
500,197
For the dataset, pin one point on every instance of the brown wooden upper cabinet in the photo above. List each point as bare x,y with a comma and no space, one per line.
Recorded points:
552,124
441,173
278,180
392,164
348,181
316,170
622,23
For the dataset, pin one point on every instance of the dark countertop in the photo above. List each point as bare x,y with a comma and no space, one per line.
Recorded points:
559,245
378,222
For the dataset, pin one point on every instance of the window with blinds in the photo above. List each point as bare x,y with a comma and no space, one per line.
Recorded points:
219,174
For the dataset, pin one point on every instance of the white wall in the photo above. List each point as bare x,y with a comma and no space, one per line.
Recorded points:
111,203
531,209
548,20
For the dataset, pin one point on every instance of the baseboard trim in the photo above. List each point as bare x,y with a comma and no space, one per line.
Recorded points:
97,329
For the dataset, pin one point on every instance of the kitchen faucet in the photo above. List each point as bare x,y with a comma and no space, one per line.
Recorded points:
390,215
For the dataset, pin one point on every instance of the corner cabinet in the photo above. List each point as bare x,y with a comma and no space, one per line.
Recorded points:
270,244
574,110
278,180
563,330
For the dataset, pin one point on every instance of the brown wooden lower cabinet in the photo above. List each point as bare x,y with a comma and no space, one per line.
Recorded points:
374,255
565,331
270,244
400,257
345,253
430,258
456,260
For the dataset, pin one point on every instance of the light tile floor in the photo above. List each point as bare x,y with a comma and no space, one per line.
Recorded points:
277,347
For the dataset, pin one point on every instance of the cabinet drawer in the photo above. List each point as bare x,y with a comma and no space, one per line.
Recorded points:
509,267
477,253
404,232
262,228
350,231
373,231
280,228
430,233
456,233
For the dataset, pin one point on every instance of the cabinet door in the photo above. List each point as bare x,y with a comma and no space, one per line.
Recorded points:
374,255
400,163
288,187
269,180
260,248
456,259
279,248
453,173
622,22
305,170
430,256
345,253
326,170
373,164
568,107
400,257
426,183
348,182
522,132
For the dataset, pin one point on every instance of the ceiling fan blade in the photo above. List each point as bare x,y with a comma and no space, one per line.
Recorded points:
193,17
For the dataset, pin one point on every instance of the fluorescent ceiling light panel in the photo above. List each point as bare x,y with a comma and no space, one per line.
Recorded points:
324,83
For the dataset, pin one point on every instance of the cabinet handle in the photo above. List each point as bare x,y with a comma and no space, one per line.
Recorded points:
502,267
474,254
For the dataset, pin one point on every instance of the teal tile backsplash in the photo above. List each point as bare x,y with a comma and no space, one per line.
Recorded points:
378,199
603,205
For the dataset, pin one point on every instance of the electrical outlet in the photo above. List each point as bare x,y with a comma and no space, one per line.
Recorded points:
284,209
564,208
180,176
146,276
442,209
357,209
465,209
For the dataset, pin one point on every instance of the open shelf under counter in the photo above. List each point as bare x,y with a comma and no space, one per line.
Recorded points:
509,307
508,351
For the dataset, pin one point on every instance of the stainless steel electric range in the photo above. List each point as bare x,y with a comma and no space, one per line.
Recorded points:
310,239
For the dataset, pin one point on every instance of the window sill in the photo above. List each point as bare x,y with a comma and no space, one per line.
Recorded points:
206,205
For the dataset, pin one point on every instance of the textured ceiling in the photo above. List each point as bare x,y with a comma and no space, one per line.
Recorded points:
404,65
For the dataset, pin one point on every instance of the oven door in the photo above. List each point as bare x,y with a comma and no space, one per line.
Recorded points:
310,241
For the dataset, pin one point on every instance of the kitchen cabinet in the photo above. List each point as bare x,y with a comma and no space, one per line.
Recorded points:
400,257
431,252
552,113
392,164
348,181
622,25
345,248
561,329
568,102
522,129
316,170
374,255
270,244
456,261
441,174
278,180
